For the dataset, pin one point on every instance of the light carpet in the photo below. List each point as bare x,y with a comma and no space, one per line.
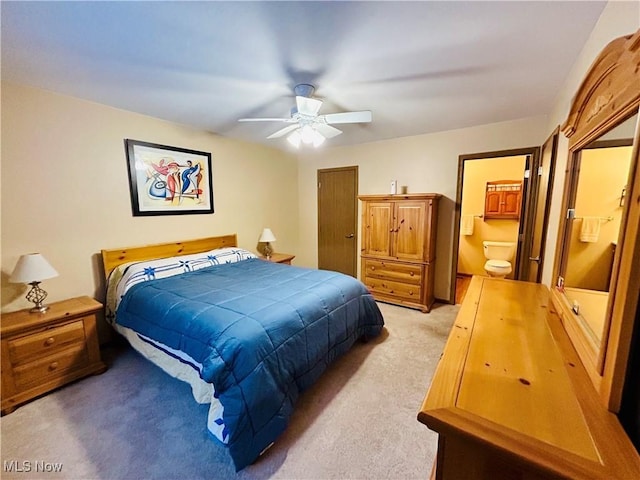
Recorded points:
135,422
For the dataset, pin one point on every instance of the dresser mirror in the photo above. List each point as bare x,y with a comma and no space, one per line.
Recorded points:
595,275
599,174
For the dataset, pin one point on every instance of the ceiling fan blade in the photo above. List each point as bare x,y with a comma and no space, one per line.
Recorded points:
308,106
327,130
284,131
349,117
289,120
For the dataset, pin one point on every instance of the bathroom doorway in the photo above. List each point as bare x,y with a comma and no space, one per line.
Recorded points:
497,200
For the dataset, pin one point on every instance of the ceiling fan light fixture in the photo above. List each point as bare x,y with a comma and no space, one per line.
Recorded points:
318,140
307,134
295,138
306,125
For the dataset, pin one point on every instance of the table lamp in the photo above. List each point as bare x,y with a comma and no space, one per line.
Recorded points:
266,237
32,269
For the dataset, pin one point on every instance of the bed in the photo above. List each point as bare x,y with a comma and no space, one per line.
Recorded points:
248,335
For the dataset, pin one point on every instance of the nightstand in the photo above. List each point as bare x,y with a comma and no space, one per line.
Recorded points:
280,258
43,351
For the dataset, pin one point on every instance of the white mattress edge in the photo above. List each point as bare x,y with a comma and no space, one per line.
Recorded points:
202,391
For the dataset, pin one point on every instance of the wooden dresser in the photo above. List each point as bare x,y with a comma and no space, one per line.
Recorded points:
43,351
511,400
398,247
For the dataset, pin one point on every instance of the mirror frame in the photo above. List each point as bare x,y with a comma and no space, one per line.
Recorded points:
609,94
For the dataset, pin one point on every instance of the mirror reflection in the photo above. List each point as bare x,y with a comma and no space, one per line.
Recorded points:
601,172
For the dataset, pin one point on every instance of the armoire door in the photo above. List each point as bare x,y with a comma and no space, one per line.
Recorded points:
379,226
409,230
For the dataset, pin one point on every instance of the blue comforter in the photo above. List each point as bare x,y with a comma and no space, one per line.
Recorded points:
262,331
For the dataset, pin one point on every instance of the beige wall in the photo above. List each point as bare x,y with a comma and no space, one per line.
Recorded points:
65,189
477,173
425,163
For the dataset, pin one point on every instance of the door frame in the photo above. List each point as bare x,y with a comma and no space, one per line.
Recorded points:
534,153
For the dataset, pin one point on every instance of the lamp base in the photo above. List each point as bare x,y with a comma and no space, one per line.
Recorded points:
40,309
268,250
37,296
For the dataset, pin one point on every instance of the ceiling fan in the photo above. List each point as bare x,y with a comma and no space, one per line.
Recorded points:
306,126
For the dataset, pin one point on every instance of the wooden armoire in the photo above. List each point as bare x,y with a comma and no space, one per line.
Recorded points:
398,247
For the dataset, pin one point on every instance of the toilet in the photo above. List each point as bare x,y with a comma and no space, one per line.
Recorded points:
498,255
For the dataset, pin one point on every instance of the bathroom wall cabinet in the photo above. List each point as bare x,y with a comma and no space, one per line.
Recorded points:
398,247
503,199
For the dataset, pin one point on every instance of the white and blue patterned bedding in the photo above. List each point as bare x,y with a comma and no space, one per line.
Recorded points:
127,275
259,332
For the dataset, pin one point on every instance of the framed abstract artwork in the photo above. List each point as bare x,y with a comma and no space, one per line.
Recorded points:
166,180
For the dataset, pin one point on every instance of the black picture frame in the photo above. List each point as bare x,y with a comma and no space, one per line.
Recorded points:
166,180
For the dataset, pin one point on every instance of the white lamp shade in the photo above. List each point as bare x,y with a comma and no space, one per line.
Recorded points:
32,267
267,236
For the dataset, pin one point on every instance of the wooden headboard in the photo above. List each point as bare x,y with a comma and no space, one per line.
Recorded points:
112,258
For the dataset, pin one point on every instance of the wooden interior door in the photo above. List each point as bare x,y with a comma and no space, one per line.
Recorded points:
541,202
338,219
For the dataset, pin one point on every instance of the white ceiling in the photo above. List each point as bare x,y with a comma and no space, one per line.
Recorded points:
420,67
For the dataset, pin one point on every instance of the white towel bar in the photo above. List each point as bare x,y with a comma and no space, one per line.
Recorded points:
602,219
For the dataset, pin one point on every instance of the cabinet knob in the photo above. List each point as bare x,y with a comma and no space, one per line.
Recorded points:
411,274
53,365
49,341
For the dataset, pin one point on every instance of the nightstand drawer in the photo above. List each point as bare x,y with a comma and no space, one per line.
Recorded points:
46,342
52,366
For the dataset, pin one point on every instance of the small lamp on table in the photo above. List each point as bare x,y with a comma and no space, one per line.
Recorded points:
267,237
32,269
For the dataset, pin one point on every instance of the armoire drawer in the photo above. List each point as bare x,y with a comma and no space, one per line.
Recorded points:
396,272
407,291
